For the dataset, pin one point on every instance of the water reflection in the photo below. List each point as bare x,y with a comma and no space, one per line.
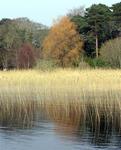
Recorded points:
17,115
86,127
69,129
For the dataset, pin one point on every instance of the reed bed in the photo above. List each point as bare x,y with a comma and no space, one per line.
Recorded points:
69,96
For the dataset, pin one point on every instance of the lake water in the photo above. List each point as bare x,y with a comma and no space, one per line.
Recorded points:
43,133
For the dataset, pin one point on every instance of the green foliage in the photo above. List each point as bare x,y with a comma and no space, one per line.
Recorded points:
97,21
116,9
97,63
13,34
95,25
30,31
25,28
98,18
45,65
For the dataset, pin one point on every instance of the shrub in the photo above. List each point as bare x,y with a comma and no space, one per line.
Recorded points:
111,53
97,63
45,65
26,56
84,65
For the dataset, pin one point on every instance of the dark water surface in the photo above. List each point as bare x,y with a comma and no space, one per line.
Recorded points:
43,133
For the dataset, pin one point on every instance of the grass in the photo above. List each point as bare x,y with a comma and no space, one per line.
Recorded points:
69,96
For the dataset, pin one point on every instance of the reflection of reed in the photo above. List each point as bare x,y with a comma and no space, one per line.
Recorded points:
100,116
17,113
100,119
72,118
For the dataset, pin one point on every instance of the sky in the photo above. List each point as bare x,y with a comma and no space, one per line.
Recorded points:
44,11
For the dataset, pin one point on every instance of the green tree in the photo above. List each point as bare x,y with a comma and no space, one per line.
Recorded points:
10,42
13,34
98,18
95,26
116,9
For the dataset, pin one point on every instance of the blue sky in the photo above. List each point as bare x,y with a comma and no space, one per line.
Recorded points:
43,11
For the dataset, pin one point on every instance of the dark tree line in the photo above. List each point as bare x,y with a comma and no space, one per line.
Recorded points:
97,24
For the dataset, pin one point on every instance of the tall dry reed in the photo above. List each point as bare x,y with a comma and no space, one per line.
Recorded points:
68,96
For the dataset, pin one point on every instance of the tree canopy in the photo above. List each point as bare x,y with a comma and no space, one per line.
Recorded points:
63,43
13,34
82,32
96,26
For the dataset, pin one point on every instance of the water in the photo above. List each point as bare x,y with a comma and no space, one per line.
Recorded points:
45,133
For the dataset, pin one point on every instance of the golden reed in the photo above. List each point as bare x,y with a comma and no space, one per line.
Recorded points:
75,97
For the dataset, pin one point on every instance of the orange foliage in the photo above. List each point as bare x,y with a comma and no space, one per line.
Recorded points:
63,43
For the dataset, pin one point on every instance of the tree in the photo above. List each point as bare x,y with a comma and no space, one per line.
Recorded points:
30,31
77,12
8,42
63,43
111,52
15,33
98,18
26,56
116,9
95,27
78,17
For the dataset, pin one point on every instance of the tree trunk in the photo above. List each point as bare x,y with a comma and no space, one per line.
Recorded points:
97,50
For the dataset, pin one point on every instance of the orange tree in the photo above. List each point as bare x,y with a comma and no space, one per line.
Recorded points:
63,43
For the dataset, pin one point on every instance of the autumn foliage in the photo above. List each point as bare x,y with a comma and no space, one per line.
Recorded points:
63,43
26,56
